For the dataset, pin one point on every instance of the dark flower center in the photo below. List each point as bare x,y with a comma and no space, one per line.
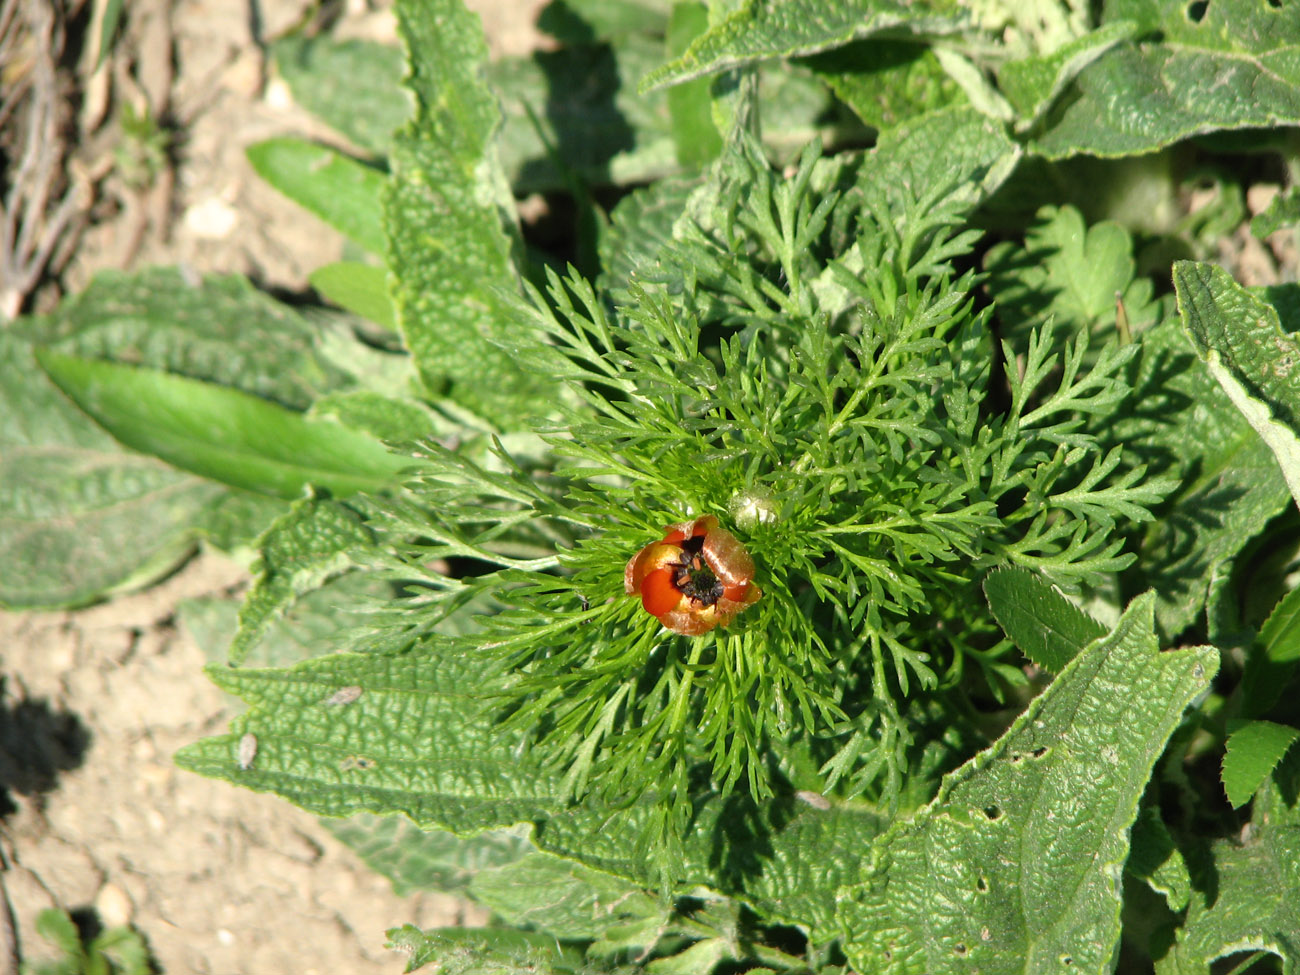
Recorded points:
693,577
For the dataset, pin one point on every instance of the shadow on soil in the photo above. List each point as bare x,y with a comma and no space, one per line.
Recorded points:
37,743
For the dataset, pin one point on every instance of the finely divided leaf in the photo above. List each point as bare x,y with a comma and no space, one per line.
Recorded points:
1241,342
1252,752
223,434
450,221
1015,866
341,191
758,31
1048,628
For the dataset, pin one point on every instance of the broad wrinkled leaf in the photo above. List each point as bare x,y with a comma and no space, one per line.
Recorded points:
568,900
341,191
1241,342
314,542
81,515
224,434
1046,627
1015,865
757,32
484,951
953,148
1235,66
1182,423
886,82
217,328
1033,84
1157,862
416,859
450,224
1246,891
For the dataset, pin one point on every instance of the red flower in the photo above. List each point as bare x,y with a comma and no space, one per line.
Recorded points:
697,577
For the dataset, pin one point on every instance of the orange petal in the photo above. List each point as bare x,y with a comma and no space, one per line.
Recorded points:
729,560
654,556
658,594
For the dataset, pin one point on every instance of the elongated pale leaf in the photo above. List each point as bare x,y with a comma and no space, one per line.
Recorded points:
450,216
80,516
223,434
360,288
1048,628
758,31
1015,865
1252,752
1241,342
341,191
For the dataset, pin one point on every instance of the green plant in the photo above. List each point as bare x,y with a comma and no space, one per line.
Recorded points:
982,482
115,951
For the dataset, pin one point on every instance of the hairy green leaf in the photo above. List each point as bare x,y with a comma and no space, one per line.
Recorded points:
1014,866
450,220
1157,861
341,191
1245,898
1231,485
1033,84
756,32
1140,97
315,541
1241,342
1048,628
223,434
569,901
886,82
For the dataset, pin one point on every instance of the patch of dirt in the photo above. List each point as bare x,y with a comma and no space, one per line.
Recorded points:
96,818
